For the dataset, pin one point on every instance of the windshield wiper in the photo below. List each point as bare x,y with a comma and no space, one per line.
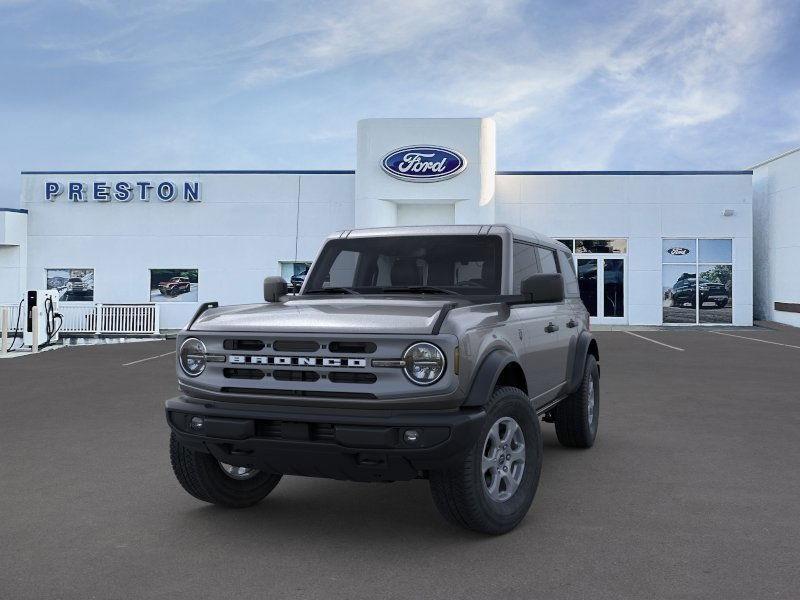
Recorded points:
419,289
331,290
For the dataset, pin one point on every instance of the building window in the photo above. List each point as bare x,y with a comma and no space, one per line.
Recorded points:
690,299
173,285
294,273
612,246
569,244
73,285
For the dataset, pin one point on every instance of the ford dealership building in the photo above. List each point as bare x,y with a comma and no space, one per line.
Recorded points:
650,248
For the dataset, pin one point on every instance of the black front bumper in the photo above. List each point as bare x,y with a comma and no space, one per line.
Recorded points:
353,446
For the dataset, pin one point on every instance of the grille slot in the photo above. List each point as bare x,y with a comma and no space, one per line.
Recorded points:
349,377
295,346
317,432
243,373
322,432
353,347
247,345
300,393
286,375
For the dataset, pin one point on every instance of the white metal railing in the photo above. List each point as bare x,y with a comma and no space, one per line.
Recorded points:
100,318
78,318
128,318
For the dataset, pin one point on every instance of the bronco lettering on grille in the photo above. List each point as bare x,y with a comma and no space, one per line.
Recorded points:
299,361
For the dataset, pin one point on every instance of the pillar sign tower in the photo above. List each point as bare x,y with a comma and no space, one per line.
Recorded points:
425,172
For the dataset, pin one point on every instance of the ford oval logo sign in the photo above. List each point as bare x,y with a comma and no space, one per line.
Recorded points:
423,163
678,251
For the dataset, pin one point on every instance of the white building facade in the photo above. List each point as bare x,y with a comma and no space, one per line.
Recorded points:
776,197
651,248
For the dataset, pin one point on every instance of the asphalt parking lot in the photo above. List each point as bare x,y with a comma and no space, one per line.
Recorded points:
692,491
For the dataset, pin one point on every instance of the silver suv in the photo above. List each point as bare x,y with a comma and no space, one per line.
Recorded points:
410,352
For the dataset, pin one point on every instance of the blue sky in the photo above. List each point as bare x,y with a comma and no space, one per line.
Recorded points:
193,84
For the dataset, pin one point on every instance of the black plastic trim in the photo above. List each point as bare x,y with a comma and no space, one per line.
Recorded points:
437,325
486,377
578,358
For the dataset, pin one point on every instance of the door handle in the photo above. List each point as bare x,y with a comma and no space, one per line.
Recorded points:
572,323
551,328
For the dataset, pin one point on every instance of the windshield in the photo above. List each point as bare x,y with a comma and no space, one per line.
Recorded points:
462,264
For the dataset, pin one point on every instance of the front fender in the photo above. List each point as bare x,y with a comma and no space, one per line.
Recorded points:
486,376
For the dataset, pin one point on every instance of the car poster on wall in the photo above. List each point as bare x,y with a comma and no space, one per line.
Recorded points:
73,285
173,285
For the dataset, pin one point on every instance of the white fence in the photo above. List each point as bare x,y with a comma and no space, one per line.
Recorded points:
99,318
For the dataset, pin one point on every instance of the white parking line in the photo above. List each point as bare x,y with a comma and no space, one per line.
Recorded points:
756,340
654,341
141,360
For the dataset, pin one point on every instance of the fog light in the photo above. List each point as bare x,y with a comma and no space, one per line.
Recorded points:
196,423
411,436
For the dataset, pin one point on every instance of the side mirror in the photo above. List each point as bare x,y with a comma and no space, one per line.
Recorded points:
544,287
274,288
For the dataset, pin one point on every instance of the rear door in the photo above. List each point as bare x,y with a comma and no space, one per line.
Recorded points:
538,341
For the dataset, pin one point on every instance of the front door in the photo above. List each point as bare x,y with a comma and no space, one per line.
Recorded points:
602,285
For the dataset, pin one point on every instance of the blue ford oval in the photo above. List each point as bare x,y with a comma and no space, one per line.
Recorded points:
423,163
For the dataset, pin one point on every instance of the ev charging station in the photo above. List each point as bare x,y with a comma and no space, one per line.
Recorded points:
42,319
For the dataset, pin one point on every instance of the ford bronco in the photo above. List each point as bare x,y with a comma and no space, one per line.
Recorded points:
175,286
410,352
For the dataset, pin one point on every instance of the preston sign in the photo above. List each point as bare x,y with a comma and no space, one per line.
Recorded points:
123,191
423,163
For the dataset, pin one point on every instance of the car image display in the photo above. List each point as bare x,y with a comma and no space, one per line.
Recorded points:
73,285
173,285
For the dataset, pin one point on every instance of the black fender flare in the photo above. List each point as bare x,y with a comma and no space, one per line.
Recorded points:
486,376
578,360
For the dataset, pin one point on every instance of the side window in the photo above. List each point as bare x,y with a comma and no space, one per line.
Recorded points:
570,278
525,264
547,258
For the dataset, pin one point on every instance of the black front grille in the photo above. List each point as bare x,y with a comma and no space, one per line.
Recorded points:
243,373
295,346
247,345
348,377
301,393
352,347
285,375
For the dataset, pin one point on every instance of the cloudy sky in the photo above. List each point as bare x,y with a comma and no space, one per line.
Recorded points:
193,84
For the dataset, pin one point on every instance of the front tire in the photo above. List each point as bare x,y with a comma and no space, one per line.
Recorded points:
491,488
209,480
576,417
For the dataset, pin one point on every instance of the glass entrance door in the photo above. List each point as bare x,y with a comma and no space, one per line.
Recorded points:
601,280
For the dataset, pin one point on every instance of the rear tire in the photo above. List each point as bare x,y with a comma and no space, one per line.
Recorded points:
464,493
203,477
576,417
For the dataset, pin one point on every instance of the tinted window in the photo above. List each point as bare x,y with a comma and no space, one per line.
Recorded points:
525,264
568,244
547,259
465,264
615,246
568,270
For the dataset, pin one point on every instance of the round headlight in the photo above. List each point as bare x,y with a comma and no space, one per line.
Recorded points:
424,363
192,357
